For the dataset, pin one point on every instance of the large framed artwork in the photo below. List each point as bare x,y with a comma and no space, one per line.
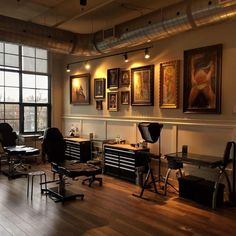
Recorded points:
99,88
202,79
112,101
80,89
113,78
169,84
142,86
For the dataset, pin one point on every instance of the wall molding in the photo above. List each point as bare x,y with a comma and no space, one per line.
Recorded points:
225,124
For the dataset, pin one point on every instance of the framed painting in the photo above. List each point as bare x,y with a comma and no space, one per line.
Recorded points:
113,78
125,97
142,86
99,105
112,101
169,84
125,78
80,89
99,88
202,79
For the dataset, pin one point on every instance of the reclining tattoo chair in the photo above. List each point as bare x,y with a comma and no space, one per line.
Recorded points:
54,147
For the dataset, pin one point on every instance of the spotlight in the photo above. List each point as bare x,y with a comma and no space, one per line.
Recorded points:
126,57
68,68
147,55
87,66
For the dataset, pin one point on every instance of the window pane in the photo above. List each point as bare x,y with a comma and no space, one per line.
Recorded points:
12,79
42,117
1,112
28,51
11,60
42,81
15,124
41,66
1,59
1,94
28,95
41,96
11,48
29,119
12,111
1,78
28,81
12,94
28,63
1,47
41,53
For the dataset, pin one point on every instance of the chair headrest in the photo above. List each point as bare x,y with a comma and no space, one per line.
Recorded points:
52,134
5,128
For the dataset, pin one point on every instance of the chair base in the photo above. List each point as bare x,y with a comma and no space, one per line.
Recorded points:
59,196
91,179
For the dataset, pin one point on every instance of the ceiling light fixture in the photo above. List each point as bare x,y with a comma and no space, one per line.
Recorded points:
126,57
87,65
110,55
68,68
147,55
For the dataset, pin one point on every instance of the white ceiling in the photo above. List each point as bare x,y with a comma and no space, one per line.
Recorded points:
70,15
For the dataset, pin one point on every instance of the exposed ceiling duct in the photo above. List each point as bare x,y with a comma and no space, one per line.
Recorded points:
159,24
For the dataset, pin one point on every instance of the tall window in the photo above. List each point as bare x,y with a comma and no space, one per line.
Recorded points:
24,88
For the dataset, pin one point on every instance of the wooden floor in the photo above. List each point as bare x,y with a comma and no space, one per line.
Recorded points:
107,210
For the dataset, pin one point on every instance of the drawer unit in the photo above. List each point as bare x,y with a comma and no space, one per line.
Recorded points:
78,149
120,161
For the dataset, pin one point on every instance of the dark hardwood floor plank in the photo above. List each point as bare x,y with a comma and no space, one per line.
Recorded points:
108,210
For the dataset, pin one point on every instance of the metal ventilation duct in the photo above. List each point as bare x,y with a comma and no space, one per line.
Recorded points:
160,24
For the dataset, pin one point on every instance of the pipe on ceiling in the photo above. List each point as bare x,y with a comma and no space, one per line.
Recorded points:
156,25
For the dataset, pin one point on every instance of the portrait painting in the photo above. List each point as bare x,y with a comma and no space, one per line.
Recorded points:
169,82
80,89
202,79
142,86
112,101
99,88
125,78
125,97
113,78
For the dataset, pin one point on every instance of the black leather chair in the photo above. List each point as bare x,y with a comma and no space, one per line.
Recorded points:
7,136
54,147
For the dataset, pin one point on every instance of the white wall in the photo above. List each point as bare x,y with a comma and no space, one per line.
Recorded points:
203,133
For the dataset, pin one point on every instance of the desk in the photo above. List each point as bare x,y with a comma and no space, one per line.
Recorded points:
16,153
120,160
201,161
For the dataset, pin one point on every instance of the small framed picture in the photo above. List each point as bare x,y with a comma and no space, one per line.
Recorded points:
113,78
99,88
125,78
125,97
112,101
99,105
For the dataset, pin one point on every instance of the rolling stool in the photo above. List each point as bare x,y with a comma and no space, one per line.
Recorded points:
32,175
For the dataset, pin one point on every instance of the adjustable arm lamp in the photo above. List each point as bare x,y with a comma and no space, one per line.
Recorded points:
150,132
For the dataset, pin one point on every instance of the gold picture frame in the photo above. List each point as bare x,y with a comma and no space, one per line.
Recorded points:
169,84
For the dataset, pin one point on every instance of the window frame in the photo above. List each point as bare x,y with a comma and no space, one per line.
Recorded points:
22,104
